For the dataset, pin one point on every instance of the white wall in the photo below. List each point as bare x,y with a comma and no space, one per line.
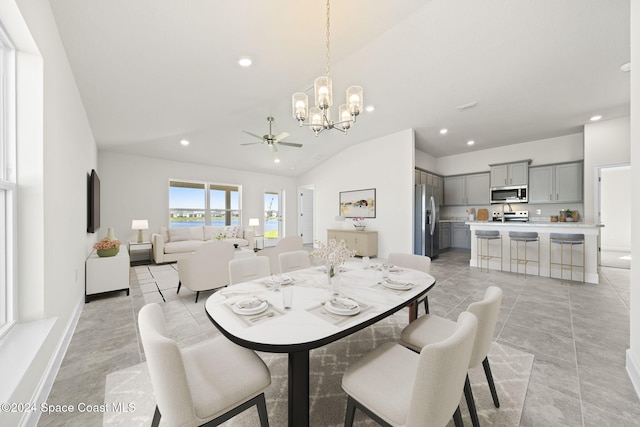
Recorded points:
426,161
56,150
386,164
135,187
541,152
605,143
615,208
633,356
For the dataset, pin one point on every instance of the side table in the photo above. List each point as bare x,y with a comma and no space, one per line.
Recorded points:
258,239
106,274
140,252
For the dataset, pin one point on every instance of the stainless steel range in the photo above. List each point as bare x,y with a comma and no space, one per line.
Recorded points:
522,216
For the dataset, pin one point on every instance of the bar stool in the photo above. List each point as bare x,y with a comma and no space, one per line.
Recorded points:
523,237
563,239
487,236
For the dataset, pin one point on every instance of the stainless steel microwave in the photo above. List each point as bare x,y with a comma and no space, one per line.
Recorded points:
514,194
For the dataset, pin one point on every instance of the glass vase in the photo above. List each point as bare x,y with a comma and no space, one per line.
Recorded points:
332,279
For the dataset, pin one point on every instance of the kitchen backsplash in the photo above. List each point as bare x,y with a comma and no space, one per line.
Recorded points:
546,210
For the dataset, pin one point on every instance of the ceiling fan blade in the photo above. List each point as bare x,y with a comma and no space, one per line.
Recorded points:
280,136
252,134
290,144
273,148
251,143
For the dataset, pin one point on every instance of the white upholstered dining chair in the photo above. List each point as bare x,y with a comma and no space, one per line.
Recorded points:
417,262
245,269
294,260
286,244
431,328
207,383
207,268
398,387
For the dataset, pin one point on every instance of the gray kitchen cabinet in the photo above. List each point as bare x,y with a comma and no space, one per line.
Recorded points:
445,235
460,236
510,174
466,190
560,183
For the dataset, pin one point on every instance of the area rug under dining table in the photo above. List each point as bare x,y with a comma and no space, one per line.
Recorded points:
511,369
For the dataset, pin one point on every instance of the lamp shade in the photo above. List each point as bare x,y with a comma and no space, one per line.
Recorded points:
140,224
254,222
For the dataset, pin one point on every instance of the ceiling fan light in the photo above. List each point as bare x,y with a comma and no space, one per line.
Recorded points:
300,106
355,99
323,92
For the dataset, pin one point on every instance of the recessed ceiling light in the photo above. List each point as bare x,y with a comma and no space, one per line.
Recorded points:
184,142
245,61
471,142
595,118
276,160
443,131
369,108
626,67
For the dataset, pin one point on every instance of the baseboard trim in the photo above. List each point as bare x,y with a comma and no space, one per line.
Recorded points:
41,393
633,369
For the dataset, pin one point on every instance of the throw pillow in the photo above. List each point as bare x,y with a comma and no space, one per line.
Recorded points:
179,234
197,233
231,231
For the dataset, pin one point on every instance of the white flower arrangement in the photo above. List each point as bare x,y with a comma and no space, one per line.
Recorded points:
333,253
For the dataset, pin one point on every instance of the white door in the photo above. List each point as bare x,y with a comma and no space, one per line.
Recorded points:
305,215
615,214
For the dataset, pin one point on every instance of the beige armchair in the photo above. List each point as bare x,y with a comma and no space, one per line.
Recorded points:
207,268
209,382
431,328
286,244
398,387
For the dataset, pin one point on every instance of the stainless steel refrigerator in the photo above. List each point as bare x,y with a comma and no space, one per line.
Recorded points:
426,240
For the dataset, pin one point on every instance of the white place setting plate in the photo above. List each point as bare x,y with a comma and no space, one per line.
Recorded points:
249,305
342,306
284,280
394,284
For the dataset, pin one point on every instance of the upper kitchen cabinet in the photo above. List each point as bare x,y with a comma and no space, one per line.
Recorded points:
561,183
466,190
510,174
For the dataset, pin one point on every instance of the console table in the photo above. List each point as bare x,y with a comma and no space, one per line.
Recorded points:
364,242
106,274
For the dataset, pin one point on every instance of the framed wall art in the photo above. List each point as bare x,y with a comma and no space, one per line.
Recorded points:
358,203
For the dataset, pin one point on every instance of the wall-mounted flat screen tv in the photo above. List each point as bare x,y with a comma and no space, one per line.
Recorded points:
93,199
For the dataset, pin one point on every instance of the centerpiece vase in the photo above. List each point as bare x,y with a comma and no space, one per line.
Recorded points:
332,279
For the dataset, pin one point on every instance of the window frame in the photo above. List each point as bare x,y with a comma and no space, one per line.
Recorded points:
208,209
8,185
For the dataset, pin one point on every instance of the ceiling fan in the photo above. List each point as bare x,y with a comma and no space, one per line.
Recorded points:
270,139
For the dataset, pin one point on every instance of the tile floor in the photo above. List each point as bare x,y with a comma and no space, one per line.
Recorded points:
578,333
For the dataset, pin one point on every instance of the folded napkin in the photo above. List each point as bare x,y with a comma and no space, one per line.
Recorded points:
344,303
248,303
396,283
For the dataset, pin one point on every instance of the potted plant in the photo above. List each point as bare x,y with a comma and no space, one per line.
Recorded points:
107,247
571,215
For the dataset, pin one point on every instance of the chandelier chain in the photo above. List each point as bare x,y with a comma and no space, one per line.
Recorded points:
328,35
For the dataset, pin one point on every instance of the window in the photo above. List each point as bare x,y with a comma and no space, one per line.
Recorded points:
7,182
199,203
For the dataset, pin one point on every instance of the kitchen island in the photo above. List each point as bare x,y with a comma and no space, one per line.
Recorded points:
544,229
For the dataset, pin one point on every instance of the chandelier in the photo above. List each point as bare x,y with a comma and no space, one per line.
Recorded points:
320,115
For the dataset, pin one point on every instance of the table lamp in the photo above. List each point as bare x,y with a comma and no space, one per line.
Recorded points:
139,224
254,222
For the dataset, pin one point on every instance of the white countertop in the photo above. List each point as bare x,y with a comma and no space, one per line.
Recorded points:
531,224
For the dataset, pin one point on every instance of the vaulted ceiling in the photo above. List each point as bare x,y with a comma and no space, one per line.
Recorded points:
154,72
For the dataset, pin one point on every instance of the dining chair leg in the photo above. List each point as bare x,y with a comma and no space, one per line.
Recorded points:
426,305
351,412
156,418
457,418
262,411
179,285
197,295
471,403
492,387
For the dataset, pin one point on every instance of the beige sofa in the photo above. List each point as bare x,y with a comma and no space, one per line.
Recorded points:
172,244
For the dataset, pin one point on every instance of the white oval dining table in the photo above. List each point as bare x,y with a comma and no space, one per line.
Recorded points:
308,324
